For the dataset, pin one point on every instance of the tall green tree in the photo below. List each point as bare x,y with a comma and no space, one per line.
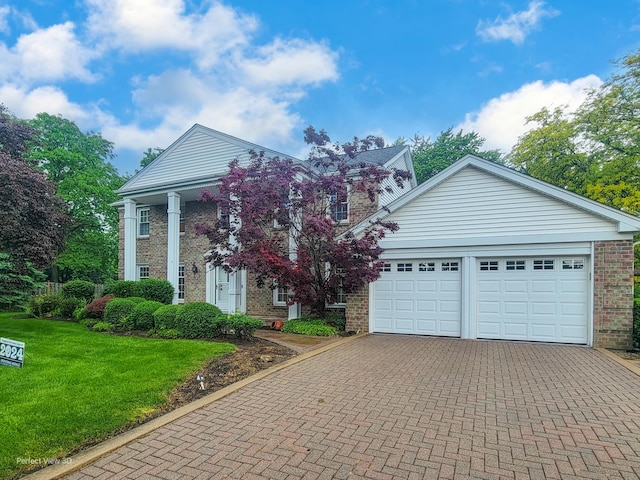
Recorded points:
595,151
431,157
79,164
150,155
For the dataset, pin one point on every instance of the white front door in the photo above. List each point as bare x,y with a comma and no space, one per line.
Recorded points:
218,287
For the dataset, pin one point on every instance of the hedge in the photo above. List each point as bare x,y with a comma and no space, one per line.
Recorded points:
198,320
117,312
142,315
79,289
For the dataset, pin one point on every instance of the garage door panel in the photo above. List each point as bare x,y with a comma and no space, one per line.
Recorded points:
538,300
424,299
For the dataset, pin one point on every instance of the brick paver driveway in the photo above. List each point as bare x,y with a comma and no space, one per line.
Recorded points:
388,406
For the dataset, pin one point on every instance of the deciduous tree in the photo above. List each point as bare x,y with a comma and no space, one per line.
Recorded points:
280,219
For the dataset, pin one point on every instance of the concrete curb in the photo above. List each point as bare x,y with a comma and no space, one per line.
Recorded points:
625,363
92,454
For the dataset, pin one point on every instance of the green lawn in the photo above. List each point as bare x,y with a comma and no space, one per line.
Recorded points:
77,385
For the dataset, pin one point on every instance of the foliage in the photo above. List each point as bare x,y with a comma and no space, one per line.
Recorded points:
595,151
336,318
79,289
242,326
431,157
150,155
96,308
137,300
15,288
14,134
197,319
276,206
309,326
636,323
69,305
122,288
102,327
78,164
169,334
142,315
166,317
44,305
153,289
79,387
33,220
117,312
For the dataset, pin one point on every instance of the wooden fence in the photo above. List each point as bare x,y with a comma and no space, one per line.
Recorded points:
54,288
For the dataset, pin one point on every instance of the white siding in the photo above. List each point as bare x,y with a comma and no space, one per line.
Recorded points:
385,197
473,204
199,156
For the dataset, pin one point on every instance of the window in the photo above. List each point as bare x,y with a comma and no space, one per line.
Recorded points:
339,206
341,297
405,267
386,267
573,264
182,221
280,295
143,222
545,264
489,266
223,217
427,267
181,282
515,265
450,266
143,271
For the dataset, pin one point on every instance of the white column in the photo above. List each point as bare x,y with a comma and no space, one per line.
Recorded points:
294,310
130,238
173,240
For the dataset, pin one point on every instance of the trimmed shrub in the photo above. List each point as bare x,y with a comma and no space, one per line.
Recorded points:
122,289
96,308
198,320
117,311
242,326
171,333
158,290
102,327
79,289
336,318
44,305
89,322
309,326
68,306
165,318
137,300
142,315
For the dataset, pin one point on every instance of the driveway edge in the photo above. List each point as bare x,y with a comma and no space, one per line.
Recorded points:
92,454
625,363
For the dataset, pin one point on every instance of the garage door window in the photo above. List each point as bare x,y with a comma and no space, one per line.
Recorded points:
427,267
450,266
405,267
573,264
512,265
489,266
544,264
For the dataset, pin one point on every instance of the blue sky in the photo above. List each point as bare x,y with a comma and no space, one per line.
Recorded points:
142,72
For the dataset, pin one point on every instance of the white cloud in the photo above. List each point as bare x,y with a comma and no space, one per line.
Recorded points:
145,25
28,103
291,62
502,120
4,23
516,26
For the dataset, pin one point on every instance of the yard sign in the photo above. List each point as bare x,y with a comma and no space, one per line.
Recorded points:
11,352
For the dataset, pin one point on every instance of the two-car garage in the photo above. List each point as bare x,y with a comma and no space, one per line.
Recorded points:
517,298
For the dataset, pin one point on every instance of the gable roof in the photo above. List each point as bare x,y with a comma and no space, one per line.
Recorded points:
625,223
200,154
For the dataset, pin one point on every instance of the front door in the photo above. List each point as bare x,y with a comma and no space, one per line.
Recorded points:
217,287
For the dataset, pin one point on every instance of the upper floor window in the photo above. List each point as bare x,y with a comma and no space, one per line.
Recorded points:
143,222
339,205
183,227
223,217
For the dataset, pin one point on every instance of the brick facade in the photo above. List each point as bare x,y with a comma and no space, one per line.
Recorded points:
357,311
613,294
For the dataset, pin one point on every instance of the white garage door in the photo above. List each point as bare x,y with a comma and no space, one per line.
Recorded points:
540,299
419,297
